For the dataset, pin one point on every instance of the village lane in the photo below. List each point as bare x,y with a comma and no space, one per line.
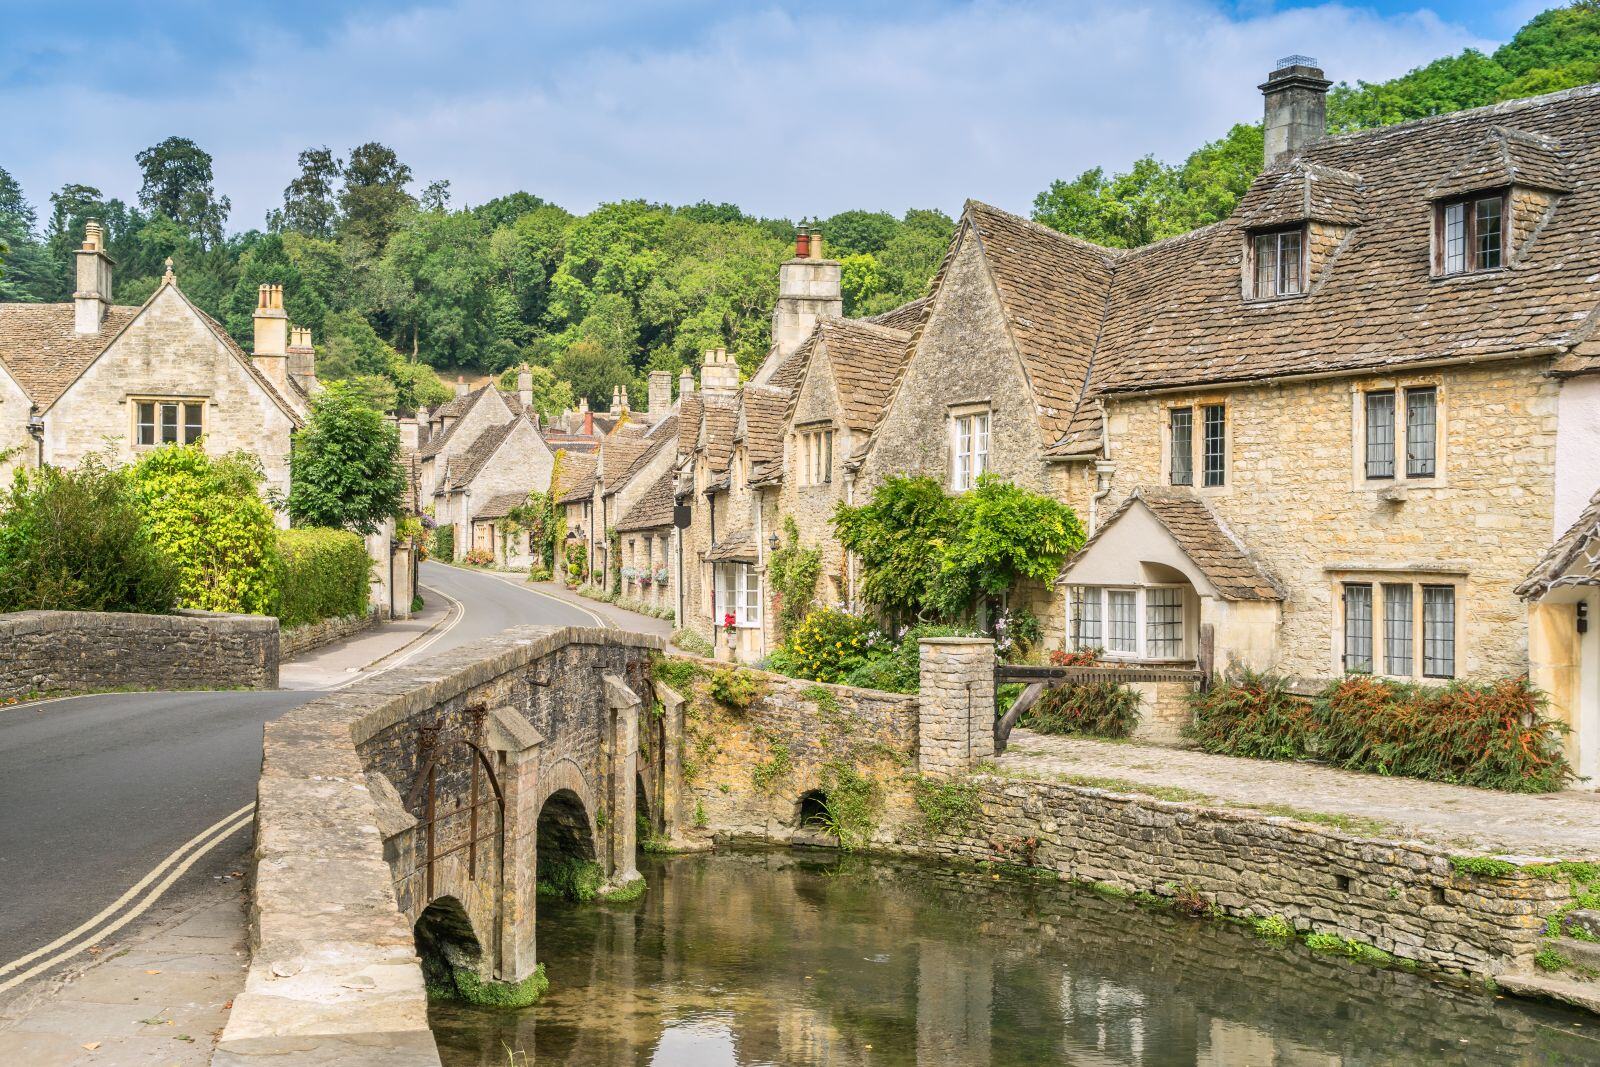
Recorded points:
98,791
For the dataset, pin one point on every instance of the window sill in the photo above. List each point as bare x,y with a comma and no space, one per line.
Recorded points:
1269,301
1469,275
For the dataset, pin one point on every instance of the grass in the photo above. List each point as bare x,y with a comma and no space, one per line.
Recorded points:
1359,825
1548,959
625,894
1483,866
1272,928
508,996
946,807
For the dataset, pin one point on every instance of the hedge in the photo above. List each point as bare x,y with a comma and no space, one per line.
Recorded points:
1493,735
323,574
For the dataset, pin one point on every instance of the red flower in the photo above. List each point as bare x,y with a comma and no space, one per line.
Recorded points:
728,620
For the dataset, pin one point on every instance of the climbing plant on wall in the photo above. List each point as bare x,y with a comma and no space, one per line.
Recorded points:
794,570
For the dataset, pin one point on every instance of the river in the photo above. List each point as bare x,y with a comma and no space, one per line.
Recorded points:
780,957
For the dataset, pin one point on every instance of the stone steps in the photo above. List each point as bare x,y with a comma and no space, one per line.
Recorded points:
1559,988
1587,921
1584,954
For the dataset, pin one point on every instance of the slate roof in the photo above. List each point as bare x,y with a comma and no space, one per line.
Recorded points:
653,509
1299,192
500,505
719,421
477,454
575,479
736,546
1571,550
1203,538
42,351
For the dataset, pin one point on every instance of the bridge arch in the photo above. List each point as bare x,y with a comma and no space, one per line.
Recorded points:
448,945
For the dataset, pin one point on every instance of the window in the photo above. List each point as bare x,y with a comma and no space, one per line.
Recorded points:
1216,440
1358,628
162,422
1380,434
1421,432
1145,623
1397,630
1182,446
738,592
970,449
1471,234
1403,629
816,457
1438,631
1278,264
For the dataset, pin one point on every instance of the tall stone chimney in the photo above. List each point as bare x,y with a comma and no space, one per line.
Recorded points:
525,387
719,373
410,433
1296,107
808,290
92,298
685,383
616,400
461,385
659,398
271,349
302,357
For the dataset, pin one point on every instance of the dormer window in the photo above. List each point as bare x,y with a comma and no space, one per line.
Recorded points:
1470,234
1278,263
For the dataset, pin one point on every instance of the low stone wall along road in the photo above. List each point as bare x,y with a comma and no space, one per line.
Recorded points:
98,790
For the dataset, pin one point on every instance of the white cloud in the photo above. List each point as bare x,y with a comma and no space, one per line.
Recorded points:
782,112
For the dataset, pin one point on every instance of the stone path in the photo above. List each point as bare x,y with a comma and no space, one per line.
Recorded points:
1556,825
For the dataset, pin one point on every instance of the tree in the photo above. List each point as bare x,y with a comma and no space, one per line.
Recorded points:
593,372
268,263
76,540
345,469
436,195
178,184
374,196
1003,535
309,206
852,233
27,267
551,395
436,276
899,536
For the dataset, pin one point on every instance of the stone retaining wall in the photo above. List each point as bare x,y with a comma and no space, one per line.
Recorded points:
298,640
49,652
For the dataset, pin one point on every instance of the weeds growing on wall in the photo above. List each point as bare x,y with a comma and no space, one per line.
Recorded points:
571,879
1092,709
852,804
1493,735
793,571
946,807
773,769
734,688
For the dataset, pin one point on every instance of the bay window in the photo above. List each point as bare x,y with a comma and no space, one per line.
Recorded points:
1147,622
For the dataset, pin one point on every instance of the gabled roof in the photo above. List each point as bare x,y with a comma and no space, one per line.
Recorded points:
690,410
575,478
500,505
653,509
1504,157
761,418
1299,192
662,435
866,359
43,351
718,421
457,408
905,317
478,454
1202,536
1576,549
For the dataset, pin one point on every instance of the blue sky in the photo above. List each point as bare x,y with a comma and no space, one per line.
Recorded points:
785,108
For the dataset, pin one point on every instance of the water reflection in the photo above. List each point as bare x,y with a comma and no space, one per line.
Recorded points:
777,958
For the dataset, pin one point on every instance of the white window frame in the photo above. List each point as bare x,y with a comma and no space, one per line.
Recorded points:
740,584
1141,651
970,443
1402,391
816,455
160,405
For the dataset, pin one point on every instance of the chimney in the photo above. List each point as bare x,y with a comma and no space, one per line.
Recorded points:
659,398
525,387
461,386
1296,107
802,243
808,290
93,296
626,407
685,383
271,350
719,373
410,433
302,357
616,400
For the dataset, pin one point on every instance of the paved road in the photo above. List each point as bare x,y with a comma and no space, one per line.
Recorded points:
95,791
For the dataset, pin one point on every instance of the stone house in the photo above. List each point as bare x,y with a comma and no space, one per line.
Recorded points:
93,376
708,420
648,545
1334,430
505,466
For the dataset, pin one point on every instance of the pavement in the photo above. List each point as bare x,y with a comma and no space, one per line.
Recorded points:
126,832
1563,825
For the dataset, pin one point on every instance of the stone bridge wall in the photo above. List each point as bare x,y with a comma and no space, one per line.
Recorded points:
49,652
334,975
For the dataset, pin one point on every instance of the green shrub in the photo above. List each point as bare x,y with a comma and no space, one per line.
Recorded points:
827,645
444,543
478,557
693,643
538,572
207,515
896,668
850,806
76,540
793,571
1493,735
1093,709
946,806
323,574
571,879
734,688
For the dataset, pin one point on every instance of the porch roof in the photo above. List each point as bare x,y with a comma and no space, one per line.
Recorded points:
1574,558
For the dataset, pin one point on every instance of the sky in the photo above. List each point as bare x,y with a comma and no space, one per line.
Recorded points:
787,109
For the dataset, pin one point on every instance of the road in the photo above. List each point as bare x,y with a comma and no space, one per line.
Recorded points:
96,791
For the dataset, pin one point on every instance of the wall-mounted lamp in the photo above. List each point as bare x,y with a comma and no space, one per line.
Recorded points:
1583,616
772,542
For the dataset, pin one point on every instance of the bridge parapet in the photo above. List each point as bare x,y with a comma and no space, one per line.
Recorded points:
422,786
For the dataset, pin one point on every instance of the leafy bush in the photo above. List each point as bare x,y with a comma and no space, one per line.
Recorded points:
323,574
577,553
1093,709
693,643
207,515
898,536
478,557
76,540
1017,633
1493,735
793,571
734,688
827,645
538,572
897,668
345,467
1003,535
444,543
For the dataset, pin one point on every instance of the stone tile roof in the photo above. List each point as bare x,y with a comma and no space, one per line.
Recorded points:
793,369
736,546
719,421
44,353
907,316
477,454
1203,538
1573,550
662,435
457,408
764,412
617,458
690,410
575,479
500,505
866,360
411,499
1299,192
1177,316
653,509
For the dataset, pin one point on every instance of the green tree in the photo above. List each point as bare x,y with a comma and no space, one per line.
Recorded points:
1004,534
861,280
436,273
206,514
268,262
852,233
178,184
76,540
551,395
374,198
28,270
899,535
309,205
345,469
593,372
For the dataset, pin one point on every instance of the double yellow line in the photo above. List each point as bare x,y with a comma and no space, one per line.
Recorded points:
135,902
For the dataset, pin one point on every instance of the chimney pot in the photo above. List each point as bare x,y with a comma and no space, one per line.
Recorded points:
1296,107
802,244
461,385
816,244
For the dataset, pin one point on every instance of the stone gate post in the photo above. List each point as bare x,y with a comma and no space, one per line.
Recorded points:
516,744
955,704
623,777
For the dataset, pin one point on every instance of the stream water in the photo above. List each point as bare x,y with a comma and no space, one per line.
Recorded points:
781,957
